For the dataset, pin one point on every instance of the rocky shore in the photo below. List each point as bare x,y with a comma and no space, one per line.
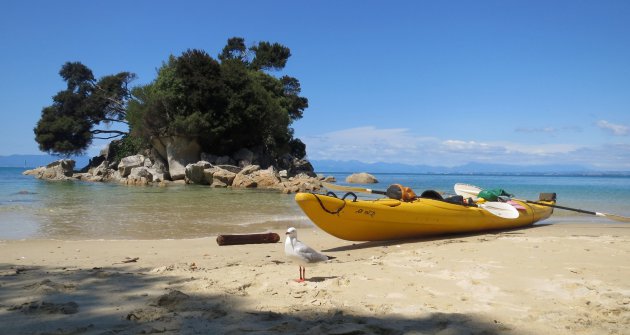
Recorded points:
237,171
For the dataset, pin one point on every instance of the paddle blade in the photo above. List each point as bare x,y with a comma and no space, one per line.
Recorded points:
614,217
500,209
467,191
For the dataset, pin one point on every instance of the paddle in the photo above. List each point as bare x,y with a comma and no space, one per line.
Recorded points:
499,209
472,191
351,189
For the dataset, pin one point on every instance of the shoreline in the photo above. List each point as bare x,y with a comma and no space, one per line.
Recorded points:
555,279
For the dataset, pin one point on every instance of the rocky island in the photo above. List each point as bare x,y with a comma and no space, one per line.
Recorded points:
180,160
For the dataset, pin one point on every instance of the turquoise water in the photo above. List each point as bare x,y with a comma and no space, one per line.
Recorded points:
32,208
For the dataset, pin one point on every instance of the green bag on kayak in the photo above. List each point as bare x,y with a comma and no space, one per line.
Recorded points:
493,194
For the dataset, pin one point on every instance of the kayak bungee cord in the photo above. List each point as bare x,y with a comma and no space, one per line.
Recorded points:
334,195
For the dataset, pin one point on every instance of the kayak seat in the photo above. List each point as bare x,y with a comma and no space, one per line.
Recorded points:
431,194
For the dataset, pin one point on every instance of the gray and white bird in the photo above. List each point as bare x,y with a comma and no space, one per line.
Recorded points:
301,253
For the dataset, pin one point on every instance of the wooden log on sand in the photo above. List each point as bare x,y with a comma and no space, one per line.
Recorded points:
257,238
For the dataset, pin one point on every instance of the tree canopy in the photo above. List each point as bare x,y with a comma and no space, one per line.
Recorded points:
69,125
227,103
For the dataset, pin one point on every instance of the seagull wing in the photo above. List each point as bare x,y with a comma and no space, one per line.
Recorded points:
308,254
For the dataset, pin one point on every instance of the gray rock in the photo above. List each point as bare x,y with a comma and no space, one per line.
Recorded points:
267,178
62,169
138,173
361,178
195,172
128,163
244,179
179,152
222,177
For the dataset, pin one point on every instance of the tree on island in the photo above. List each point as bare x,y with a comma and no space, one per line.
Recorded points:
226,104
69,125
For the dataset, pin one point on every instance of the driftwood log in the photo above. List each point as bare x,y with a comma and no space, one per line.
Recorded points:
247,238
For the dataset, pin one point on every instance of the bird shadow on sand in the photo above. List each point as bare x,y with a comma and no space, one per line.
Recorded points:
320,279
450,238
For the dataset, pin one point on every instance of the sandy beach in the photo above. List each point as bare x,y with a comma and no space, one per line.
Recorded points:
548,279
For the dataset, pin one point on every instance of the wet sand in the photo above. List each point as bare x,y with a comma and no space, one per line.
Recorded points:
548,279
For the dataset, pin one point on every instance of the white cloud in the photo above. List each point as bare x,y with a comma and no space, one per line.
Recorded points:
615,129
399,145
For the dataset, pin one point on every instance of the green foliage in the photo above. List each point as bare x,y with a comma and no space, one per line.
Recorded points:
67,127
270,56
59,133
128,146
228,105
235,49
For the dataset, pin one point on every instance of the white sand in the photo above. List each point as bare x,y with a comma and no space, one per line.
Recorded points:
556,279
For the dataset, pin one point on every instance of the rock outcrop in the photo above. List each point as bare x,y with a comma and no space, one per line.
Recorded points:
361,178
62,169
128,163
178,159
179,152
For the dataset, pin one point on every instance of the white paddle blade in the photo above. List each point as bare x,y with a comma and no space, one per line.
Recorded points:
467,191
614,217
500,209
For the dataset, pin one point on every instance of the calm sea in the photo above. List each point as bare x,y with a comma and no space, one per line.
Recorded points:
34,209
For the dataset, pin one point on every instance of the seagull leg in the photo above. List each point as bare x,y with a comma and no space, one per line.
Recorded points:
302,270
301,276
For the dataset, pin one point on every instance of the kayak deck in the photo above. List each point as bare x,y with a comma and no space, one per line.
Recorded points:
390,219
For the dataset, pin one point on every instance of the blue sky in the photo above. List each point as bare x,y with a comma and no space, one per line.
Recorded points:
417,82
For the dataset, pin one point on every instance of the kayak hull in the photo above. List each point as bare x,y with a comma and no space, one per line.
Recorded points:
389,219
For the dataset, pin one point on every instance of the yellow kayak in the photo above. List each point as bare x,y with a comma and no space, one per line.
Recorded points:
390,219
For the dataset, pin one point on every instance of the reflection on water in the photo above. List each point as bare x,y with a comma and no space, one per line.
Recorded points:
71,210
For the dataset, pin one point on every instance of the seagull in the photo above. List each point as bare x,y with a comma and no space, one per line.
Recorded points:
301,253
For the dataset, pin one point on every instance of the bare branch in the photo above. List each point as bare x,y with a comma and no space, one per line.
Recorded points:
114,120
99,131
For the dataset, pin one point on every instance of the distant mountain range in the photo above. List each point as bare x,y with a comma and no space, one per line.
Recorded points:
470,168
32,161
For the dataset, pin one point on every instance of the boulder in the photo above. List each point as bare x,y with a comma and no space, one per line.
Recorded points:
138,173
302,166
267,178
179,152
244,179
34,172
195,173
158,176
100,170
221,177
361,178
301,183
57,170
128,163
109,151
